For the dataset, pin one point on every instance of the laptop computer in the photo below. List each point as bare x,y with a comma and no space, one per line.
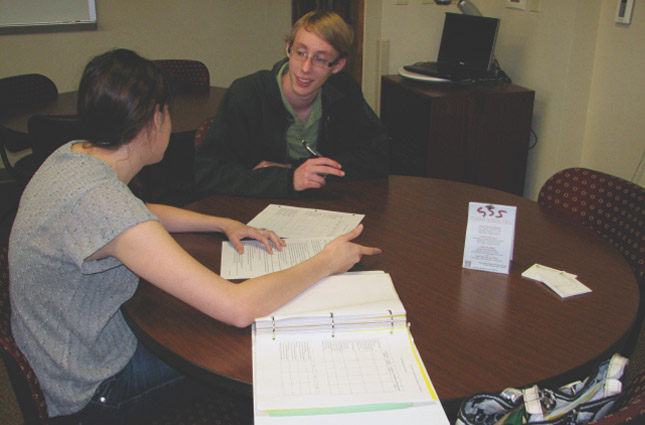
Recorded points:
466,49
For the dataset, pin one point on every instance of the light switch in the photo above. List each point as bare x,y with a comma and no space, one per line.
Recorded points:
624,11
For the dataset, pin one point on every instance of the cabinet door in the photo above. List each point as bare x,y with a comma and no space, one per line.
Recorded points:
477,134
406,117
497,139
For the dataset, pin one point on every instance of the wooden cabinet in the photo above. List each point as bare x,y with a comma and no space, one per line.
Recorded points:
478,134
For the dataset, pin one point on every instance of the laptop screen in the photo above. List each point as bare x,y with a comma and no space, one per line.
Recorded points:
468,40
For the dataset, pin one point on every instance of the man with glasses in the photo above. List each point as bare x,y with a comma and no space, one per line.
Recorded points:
281,132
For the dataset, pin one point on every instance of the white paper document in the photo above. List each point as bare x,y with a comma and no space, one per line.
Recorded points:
256,261
295,222
490,234
374,370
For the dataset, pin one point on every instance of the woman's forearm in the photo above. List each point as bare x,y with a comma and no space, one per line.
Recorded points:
180,220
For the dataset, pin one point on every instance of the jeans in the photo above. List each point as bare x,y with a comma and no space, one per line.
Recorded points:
146,388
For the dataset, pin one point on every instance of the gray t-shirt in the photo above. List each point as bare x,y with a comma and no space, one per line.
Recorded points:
66,314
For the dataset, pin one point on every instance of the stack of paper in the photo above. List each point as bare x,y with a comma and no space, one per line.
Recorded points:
295,222
305,230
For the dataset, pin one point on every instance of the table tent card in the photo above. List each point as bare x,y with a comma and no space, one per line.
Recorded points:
490,234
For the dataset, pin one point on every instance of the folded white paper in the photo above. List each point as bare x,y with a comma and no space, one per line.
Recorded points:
562,283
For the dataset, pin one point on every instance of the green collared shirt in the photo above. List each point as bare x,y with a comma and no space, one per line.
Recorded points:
297,130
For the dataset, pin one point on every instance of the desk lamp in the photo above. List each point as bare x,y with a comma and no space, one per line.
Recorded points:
466,6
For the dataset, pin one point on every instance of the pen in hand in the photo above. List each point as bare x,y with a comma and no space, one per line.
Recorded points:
311,150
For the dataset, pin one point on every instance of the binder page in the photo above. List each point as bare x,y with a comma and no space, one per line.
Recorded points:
256,261
350,372
295,222
349,296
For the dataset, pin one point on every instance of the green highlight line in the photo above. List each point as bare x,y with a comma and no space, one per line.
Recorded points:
336,410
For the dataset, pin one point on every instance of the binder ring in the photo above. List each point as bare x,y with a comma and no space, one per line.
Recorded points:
273,326
333,325
391,322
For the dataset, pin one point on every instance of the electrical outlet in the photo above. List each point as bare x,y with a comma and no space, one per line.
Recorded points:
516,4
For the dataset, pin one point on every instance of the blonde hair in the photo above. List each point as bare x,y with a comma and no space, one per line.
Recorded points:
327,25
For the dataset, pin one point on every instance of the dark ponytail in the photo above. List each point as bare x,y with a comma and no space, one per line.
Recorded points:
117,96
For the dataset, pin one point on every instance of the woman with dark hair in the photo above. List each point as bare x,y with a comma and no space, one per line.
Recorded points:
81,241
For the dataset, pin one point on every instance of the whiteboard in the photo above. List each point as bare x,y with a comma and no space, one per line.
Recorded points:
46,15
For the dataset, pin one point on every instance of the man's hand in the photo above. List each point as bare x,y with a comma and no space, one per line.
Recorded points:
311,174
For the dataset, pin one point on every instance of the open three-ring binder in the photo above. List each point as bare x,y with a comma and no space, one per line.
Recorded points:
341,352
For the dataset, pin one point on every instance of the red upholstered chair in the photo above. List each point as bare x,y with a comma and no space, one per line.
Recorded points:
19,93
31,399
23,379
201,131
187,74
610,206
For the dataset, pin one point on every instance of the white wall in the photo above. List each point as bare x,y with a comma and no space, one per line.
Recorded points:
570,53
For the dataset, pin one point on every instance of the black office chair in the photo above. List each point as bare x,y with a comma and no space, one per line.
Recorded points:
49,132
19,93
45,134
168,182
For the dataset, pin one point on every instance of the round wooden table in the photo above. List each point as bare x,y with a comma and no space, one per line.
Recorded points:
476,331
190,109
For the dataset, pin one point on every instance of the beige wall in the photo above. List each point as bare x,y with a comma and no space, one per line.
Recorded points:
231,37
587,71
615,128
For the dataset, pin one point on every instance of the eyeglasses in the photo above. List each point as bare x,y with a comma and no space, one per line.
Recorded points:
301,55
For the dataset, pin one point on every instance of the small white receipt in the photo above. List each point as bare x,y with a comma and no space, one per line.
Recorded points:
562,283
490,234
